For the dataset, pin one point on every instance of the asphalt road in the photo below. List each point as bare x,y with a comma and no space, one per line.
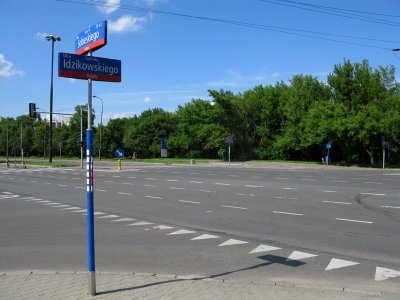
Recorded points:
297,223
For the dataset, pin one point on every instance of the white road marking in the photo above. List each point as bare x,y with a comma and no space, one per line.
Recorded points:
327,191
62,185
339,181
194,173
373,194
288,188
151,178
108,217
51,203
176,188
96,213
142,223
339,263
79,187
221,183
26,198
372,182
383,273
308,179
46,182
337,202
359,178
150,185
388,206
254,186
172,180
286,213
251,195
116,176
128,194
357,221
98,190
205,237
34,181
297,255
196,181
207,191
182,231
43,201
72,208
7,193
127,183
232,242
186,201
163,227
281,178
132,177
237,207
123,220
79,211
63,205
278,197
263,248
153,197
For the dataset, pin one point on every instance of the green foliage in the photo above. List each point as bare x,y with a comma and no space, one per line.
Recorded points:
354,110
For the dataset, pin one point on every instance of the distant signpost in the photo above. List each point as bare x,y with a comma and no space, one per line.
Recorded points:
328,146
229,140
164,147
119,153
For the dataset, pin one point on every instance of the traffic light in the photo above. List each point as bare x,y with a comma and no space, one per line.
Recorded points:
32,110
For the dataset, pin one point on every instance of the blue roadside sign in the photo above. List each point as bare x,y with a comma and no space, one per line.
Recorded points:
89,67
91,39
229,139
328,146
164,143
119,153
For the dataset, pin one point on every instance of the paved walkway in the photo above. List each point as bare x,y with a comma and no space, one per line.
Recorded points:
54,285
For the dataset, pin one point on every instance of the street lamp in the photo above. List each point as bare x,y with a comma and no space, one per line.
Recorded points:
53,39
101,123
22,148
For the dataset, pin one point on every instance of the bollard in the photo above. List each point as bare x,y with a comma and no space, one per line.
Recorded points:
119,165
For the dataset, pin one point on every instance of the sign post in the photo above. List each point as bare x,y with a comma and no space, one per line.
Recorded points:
119,153
229,139
328,146
164,147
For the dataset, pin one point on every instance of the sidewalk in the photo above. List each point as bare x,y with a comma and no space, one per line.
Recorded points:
55,285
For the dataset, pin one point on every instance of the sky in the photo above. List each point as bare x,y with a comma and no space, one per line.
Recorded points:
175,50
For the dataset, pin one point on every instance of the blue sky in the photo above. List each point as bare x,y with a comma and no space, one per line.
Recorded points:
168,60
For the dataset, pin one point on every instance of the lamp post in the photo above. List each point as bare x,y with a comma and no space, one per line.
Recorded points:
53,39
101,123
22,148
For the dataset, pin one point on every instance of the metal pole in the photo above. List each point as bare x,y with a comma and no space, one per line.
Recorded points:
7,161
101,128
51,105
22,149
81,139
90,204
383,158
229,153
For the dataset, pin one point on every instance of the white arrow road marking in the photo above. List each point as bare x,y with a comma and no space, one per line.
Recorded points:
123,220
339,263
264,248
205,237
297,255
182,231
232,242
140,223
383,274
162,227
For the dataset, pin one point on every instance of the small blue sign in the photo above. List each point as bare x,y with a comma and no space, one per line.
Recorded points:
89,67
229,139
91,39
328,146
119,153
164,143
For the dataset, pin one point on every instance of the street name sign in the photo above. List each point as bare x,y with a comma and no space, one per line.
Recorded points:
89,67
91,39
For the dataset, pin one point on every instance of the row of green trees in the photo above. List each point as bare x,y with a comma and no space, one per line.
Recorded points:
354,110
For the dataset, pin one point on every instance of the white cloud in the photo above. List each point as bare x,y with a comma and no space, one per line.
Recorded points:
147,99
127,23
7,70
109,6
40,35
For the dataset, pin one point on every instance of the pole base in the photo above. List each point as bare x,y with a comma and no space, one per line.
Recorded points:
92,283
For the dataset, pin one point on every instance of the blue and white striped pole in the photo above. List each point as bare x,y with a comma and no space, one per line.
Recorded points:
89,193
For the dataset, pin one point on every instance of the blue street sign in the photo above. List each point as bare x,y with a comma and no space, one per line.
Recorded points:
119,153
229,139
328,146
89,67
164,143
91,39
